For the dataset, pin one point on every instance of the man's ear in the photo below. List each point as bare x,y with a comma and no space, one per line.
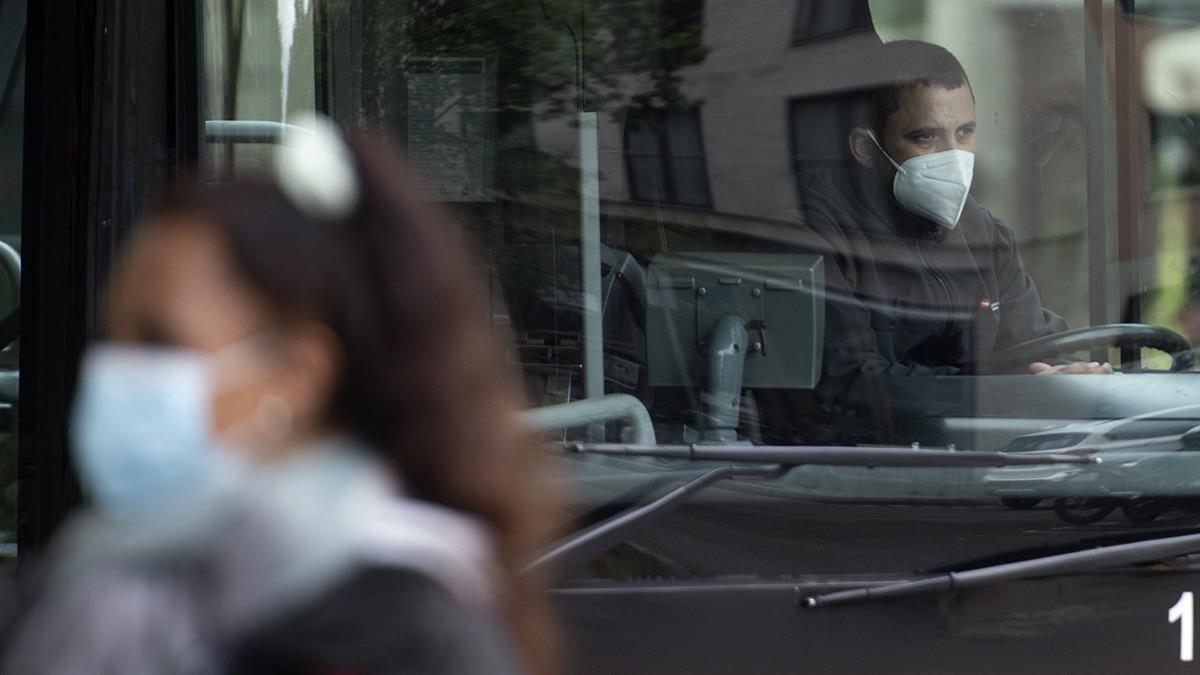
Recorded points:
863,149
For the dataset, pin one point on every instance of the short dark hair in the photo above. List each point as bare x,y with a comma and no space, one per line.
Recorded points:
907,64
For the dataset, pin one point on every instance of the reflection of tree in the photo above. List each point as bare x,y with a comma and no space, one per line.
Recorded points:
549,57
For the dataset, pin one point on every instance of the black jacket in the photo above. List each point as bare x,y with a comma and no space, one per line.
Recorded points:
382,620
907,297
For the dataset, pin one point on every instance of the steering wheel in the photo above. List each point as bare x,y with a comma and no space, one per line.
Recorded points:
1079,339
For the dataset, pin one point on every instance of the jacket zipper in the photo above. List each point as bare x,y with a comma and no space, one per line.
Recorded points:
941,281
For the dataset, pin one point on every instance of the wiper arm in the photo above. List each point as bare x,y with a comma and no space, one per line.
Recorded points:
779,459
833,455
595,540
1063,563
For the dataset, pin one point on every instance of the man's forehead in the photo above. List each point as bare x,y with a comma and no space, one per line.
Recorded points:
935,105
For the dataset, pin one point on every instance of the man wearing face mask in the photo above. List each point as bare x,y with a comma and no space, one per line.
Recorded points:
921,279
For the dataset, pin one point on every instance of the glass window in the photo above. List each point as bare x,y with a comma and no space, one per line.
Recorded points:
665,152
1150,428
258,71
12,127
1045,442
821,224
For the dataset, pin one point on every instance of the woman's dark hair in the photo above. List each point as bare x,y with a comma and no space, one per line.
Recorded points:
423,379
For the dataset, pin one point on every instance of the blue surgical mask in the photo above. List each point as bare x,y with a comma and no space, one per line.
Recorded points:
141,430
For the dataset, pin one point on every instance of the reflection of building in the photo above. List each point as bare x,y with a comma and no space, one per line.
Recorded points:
664,157
1031,111
729,163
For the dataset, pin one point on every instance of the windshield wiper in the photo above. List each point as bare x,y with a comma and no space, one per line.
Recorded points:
1063,563
595,540
833,455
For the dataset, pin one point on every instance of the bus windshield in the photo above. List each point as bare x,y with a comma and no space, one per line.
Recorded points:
928,225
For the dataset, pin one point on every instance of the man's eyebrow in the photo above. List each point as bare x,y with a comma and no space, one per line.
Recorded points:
967,126
922,130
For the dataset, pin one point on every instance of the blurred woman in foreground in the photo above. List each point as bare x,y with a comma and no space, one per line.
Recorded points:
300,445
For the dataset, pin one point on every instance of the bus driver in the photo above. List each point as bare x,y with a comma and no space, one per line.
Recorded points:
921,278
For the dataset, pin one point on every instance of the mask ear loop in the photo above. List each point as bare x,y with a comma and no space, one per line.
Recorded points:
233,355
874,140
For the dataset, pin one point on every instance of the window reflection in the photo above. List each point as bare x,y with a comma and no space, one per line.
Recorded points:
725,129
665,154
713,124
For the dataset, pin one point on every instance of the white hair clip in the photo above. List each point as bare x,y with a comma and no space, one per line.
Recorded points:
315,168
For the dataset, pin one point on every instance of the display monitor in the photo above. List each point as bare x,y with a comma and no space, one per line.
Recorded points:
725,322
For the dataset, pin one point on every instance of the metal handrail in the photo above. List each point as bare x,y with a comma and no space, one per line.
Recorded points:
10,262
590,411
248,131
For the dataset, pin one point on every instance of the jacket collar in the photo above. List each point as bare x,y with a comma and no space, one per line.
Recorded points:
880,203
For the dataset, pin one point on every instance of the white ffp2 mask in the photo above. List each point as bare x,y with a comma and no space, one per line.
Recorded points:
933,186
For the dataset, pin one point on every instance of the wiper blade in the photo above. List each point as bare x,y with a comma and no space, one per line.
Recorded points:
833,455
1063,563
778,460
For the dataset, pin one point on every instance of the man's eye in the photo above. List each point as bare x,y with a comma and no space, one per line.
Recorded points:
964,133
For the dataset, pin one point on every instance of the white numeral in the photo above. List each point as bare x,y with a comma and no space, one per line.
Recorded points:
1183,612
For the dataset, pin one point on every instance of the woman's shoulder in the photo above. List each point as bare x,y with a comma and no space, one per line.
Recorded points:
381,619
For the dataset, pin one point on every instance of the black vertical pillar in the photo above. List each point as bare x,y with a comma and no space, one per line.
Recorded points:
55,236
111,117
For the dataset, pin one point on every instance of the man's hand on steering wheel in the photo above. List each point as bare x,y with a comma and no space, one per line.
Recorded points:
1031,356
1079,368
